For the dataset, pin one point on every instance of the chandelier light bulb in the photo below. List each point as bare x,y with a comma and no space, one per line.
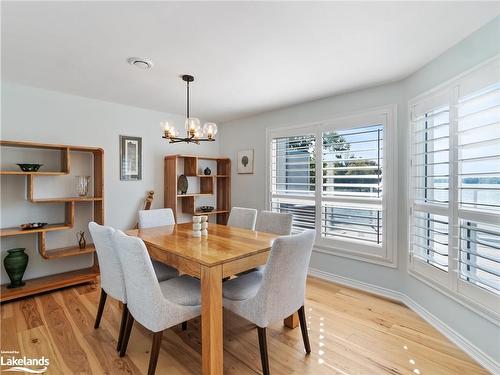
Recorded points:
192,123
210,129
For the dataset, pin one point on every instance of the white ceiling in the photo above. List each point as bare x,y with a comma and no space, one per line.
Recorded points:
247,57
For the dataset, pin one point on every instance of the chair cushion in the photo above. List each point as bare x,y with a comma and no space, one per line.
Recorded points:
242,287
164,272
182,290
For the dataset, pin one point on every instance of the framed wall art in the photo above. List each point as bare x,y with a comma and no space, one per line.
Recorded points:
245,161
130,158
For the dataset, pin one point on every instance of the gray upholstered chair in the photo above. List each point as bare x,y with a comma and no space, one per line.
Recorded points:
158,218
156,306
242,218
112,279
274,222
265,297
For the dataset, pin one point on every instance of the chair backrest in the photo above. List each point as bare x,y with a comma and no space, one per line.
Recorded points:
156,218
282,291
242,218
274,222
144,296
112,279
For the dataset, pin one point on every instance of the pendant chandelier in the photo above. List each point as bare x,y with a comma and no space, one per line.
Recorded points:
194,132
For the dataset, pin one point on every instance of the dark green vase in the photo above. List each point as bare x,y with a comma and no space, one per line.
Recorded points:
15,264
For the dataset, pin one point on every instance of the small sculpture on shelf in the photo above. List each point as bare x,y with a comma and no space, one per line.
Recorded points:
81,239
29,167
15,264
82,185
182,184
206,208
207,171
29,226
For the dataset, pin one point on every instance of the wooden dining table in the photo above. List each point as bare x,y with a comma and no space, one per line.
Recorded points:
226,251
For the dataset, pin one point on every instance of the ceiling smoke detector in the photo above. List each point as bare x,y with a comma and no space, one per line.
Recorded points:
140,63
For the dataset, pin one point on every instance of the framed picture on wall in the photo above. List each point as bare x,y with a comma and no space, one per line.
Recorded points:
245,161
130,158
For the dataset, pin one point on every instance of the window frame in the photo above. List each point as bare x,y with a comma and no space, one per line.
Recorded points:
386,253
477,299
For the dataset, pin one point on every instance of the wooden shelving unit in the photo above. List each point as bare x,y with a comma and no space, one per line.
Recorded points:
218,185
47,283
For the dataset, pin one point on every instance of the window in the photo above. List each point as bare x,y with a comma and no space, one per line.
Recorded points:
455,187
352,170
334,177
293,179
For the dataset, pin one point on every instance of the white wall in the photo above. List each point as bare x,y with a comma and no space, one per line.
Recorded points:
32,114
250,190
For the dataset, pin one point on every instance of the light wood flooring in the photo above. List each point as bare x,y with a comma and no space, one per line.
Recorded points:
351,333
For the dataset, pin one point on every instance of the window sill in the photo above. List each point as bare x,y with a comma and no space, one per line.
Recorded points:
356,255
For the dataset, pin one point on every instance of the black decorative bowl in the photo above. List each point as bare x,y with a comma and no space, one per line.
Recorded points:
206,208
29,226
29,167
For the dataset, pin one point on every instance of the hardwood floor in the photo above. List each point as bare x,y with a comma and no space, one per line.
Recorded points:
351,333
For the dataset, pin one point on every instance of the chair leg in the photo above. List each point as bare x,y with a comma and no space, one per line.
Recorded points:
263,350
123,323
100,309
155,350
126,334
184,326
303,328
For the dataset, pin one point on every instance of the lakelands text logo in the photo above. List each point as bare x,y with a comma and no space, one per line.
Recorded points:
23,364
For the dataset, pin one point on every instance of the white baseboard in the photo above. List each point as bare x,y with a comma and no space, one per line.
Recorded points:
478,355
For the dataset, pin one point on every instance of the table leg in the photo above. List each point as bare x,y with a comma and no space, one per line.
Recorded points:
292,321
211,320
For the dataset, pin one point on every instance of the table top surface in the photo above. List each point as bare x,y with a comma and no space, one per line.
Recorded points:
223,244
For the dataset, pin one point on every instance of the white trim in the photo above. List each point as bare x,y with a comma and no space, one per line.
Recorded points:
477,354
387,115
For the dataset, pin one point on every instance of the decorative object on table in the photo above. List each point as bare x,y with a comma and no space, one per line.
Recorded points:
182,184
194,132
27,167
207,171
81,239
204,225
15,264
130,158
29,226
206,208
196,226
245,161
82,185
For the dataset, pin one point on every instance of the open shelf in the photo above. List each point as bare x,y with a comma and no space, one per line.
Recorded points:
214,212
21,173
217,185
47,283
213,175
68,251
63,200
65,153
193,195
4,232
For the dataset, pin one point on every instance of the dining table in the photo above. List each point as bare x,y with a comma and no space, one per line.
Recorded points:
225,252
